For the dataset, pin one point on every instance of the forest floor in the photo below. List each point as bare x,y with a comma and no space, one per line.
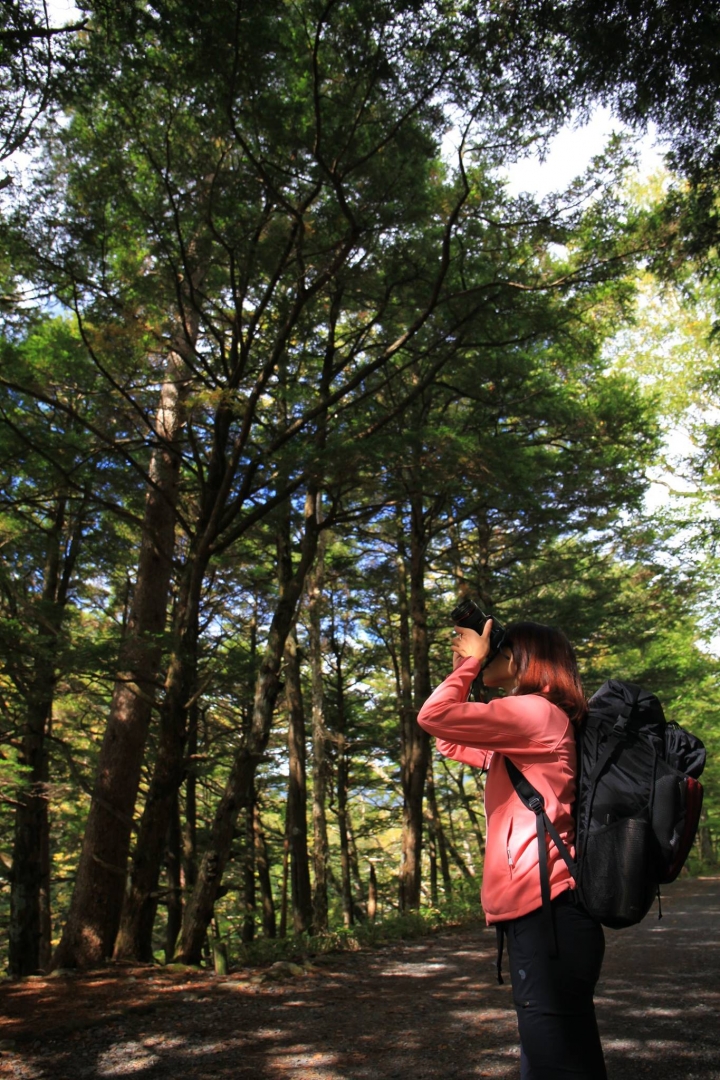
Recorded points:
409,1011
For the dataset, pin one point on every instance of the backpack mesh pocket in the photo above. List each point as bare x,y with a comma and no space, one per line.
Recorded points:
618,893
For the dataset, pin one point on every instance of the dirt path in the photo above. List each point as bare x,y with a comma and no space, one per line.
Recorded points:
407,1012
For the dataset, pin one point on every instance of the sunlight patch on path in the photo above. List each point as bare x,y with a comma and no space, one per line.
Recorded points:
414,970
126,1058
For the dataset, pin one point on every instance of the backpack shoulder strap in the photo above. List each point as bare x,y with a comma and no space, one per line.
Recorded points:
533,800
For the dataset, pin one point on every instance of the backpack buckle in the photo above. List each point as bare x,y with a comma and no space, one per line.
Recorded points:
536,804
620,726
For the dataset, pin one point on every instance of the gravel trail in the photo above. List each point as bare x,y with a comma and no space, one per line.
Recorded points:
410,1011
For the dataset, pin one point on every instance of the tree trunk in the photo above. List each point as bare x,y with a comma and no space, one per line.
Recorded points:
240,784
30,875
460,862
407,715
300,889
134,939
94,914
415,745
285,876
372,904
173,865
438,832
248,926
189,830
319,742
341,788
459,781
359,903
30,921
181,693
27,942
263,871
45,905
432,858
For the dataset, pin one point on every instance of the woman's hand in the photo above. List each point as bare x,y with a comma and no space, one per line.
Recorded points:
467,642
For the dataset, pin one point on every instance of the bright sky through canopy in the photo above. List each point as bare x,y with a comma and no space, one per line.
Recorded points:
570,153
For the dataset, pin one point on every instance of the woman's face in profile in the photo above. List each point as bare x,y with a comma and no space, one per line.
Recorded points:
501,672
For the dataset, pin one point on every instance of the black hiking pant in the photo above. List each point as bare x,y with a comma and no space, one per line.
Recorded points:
554,994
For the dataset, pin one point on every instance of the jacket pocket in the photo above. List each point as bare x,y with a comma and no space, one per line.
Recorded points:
509,848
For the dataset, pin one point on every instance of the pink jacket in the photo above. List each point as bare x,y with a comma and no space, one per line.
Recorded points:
539,738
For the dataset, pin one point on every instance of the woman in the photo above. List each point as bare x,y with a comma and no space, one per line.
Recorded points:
553,975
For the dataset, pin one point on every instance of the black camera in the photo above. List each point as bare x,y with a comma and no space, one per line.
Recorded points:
469,614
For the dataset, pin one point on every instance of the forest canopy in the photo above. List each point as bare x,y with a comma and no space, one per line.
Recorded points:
287,367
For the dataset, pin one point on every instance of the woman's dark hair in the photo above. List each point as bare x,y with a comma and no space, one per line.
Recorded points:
546,665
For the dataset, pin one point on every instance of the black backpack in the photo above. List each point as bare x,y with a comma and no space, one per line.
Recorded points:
637,807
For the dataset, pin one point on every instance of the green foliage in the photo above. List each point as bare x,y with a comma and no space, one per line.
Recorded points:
34,60
460,910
